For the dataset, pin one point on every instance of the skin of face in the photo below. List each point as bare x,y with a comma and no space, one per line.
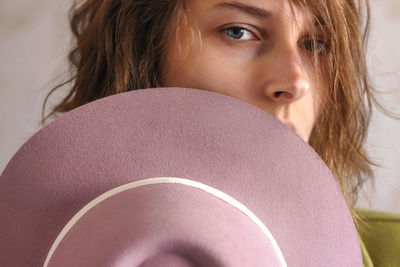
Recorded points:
259,55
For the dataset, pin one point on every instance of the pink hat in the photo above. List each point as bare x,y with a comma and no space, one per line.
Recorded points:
171,177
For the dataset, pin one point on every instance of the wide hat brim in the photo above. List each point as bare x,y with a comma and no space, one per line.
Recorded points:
165,221
191,134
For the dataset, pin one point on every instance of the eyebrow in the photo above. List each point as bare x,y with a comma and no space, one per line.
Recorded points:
248,9
259,12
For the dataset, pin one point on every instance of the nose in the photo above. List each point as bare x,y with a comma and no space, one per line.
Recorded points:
287,80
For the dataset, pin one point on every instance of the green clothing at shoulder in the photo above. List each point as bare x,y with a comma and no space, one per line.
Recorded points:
379,236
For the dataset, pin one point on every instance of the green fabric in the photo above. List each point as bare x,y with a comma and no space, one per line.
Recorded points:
379,236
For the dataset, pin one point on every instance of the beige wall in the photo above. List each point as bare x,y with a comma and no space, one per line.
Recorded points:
384,136
34,39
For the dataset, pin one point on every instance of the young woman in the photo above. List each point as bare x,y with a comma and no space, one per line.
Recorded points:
302,61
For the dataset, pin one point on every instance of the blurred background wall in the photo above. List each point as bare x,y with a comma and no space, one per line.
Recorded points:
35,37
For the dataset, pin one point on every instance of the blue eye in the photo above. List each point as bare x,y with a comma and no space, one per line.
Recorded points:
238,33
317,46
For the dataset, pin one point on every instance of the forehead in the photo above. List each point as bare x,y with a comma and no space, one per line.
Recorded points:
271,10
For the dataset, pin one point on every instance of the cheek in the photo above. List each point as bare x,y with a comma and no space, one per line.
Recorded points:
177,57
203,68
171,65
222,76
321,98
324,90
319,92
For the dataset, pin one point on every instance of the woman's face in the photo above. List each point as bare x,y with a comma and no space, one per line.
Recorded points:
252,50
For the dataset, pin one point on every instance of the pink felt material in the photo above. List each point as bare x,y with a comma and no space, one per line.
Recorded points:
179,132
164,225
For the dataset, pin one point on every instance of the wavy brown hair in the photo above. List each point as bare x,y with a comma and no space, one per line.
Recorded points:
119,44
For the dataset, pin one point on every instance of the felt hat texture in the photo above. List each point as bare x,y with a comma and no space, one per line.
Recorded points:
171,177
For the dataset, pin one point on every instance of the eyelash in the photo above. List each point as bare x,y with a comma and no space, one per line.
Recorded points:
321,43
227,29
